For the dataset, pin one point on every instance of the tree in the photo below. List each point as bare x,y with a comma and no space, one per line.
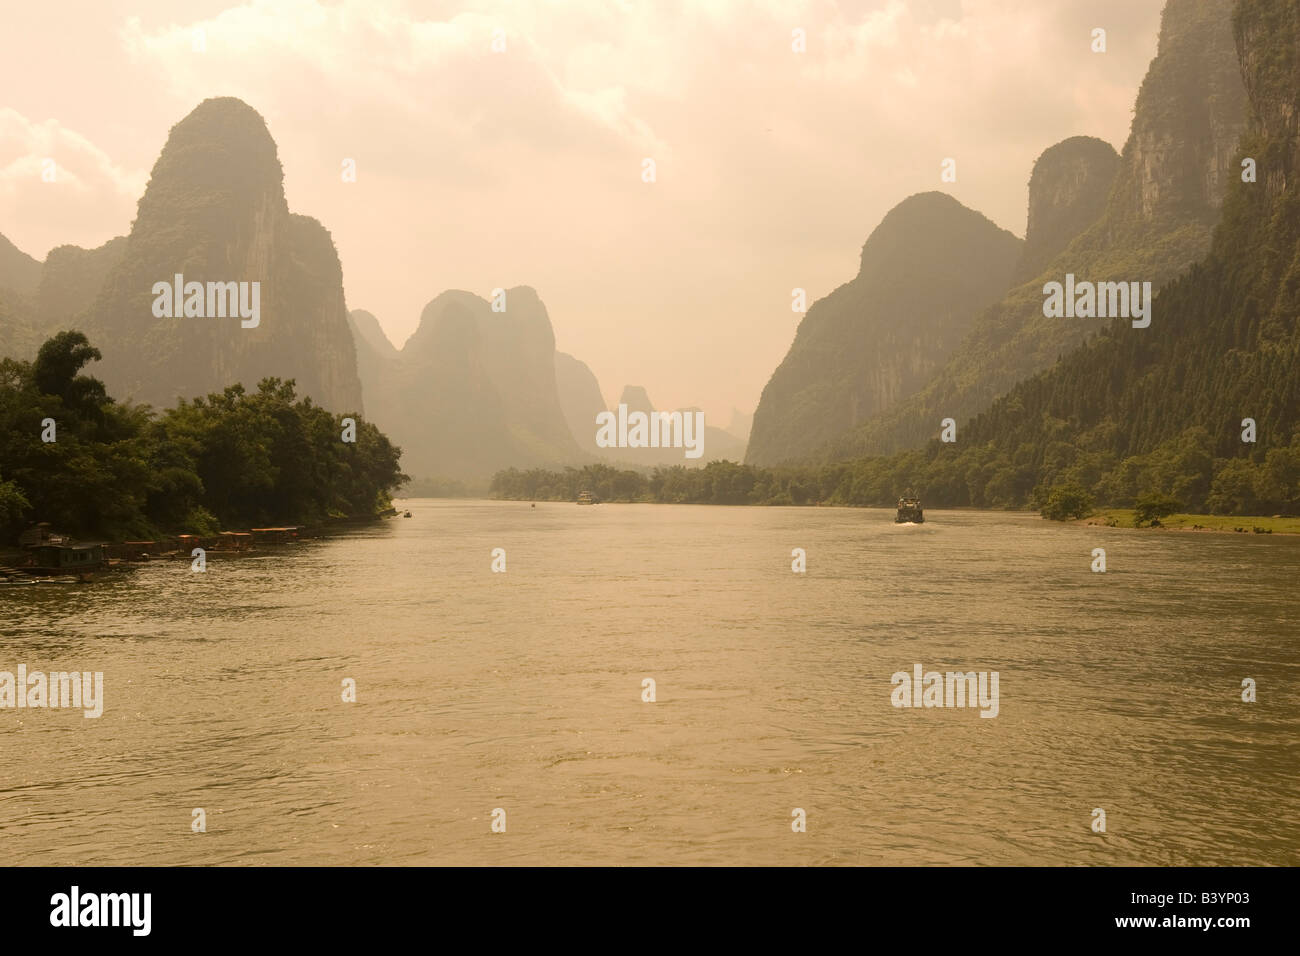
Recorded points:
55,373
232,459
1233,490
1150,508
1065,501
13,506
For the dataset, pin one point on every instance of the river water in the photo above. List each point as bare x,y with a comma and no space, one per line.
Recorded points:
523,691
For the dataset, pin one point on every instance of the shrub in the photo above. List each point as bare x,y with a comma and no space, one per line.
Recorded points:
1063,502
1152,507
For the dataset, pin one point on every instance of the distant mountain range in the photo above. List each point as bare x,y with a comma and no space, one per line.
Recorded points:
213,212
944,318
1161,207
1197,411
1203,406
925,273
474,391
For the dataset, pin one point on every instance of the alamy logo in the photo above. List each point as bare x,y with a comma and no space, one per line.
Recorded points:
103,909
953,689
57,689
1100,300
216,300
653,430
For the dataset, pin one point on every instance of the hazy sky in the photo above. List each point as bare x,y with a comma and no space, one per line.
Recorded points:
478,169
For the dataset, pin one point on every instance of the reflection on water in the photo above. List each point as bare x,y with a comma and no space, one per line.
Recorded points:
523,691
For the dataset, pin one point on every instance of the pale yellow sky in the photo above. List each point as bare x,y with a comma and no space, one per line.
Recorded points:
478,169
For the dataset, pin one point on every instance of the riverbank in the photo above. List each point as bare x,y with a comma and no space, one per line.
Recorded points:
1232,524
243,541
1106,517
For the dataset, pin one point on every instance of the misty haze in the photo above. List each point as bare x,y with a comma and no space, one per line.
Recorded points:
833,434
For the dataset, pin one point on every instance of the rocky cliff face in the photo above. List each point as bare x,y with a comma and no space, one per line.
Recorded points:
473,391
16,336
580,399
366,329
71,279
214,211
519,357
1067,193
1231,338
19,276
19,272
379,368
1158,220
1267,211
42,298
1189,115
926,271
1271,74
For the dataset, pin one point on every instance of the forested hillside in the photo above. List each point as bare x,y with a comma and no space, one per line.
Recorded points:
1160,213
1135,414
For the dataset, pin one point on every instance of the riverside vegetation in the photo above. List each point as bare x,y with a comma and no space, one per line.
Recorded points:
233,459
1152,419
1063,482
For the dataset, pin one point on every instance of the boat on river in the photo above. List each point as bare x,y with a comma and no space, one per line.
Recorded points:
62,558
909,510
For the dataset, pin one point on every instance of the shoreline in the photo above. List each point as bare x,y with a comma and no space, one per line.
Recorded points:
1212,524
223,543
1104,517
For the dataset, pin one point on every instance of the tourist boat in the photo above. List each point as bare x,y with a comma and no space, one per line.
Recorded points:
909,510
66,559
585,498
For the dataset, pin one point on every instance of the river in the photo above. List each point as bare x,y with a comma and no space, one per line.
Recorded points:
522,691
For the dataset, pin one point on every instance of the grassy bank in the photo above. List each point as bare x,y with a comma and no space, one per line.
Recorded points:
1124,518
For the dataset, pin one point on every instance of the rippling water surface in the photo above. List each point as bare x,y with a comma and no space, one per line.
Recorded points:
523,691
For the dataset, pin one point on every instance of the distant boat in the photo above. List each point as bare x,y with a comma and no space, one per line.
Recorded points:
909,510
585,498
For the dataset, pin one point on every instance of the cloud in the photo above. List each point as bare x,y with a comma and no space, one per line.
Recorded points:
479,169
374,60
62,187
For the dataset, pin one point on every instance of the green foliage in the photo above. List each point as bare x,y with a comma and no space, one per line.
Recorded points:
717,483
1152,507
1138,415
1062,479
1193,87
228,460
439,487
13,504
200,521
1066,501
56,369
